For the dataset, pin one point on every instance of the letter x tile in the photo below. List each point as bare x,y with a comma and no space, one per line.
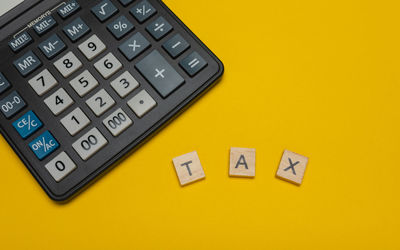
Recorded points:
188,168
292,167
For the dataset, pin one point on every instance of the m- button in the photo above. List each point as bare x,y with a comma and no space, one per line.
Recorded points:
160,73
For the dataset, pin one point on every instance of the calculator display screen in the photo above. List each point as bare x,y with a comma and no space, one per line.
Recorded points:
7,5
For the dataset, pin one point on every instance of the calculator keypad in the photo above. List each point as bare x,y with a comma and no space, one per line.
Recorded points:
108,65
76,29
60,166
75,121
43,82
68,64
52,46
84,83
92,47
27,63
27,124
58,101
143,11
142,103
124,84
44,145
134,46
120,27
104,10
68,9
12,104
159,28
100,102
117,122
89,144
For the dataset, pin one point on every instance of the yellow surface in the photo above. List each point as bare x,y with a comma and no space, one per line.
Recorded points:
320,78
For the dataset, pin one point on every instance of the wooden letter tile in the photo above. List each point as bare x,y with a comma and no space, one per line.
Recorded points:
242,162
292,167
188,168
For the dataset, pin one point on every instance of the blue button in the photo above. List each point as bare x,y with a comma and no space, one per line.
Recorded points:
44,25
4,83
44,145
120,27
27,124
104,10
12,104
68,9
52,46
19,42
27,63
76,29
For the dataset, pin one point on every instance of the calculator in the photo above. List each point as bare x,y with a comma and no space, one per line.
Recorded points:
84,83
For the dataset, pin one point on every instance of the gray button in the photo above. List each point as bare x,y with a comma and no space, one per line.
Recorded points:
44,25
104,10
142,103
108,65
75,121
43,82
58,101
143,11
193,63
60,166
27,63
159,28
120,27
89,144
4,83
12,104
160,73
84,83
68,64
124,84
135,45
117,122
68,9
176,46
52,46
92,47
20,41
76,29
100,102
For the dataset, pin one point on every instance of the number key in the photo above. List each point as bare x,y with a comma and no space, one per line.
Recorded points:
58,101
92,47
100,102
84,83
124,84
89,144
108,65
43,82
117,122
75,121
68,64
60,166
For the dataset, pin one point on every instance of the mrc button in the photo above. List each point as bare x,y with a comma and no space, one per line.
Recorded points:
19,42
68,9
27,124
27,63
44,25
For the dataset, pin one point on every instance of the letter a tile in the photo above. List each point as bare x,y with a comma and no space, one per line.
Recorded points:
188,168
292,167
242,162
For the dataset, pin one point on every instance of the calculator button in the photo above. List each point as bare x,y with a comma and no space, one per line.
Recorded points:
76,29
44,25
92,47
108,65
58,101
135,45
68,64
75,121
27,63
125,2
120,27
193,63
12,104
124,84
27,124
89,144
43,82
44,145
21,41
4,83
60,166
142,103
84,83
117,122
159,28
104,10
143,11
100,102
160,73
68,9
176,46
52,46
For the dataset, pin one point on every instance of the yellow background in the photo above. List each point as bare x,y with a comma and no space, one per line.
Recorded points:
320,78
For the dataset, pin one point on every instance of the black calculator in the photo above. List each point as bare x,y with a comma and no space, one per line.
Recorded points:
85,82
